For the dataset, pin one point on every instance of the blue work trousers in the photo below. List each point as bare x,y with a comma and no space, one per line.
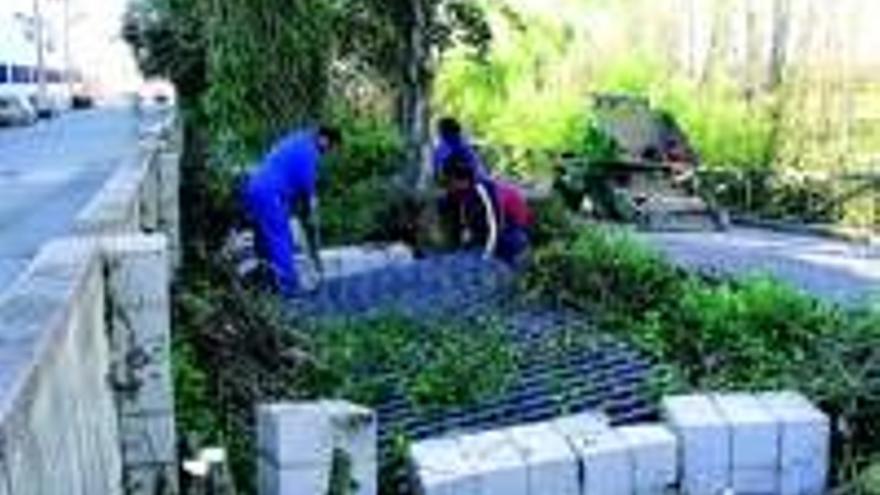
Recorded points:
268,212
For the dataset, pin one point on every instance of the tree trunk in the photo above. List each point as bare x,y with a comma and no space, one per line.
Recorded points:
752,52
716,50
416,94
779,47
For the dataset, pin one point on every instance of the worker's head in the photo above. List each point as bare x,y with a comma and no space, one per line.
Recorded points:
329,139
449,130
458,174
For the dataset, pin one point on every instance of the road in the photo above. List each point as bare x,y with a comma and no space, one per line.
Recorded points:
49,171
833,270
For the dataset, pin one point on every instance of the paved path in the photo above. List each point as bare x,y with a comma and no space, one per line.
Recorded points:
833,270
49,171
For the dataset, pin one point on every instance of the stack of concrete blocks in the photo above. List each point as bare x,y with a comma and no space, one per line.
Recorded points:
298,444
775,443
772,443
573,455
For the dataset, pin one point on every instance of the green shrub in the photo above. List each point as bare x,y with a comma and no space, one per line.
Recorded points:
357,187
603,268
553,221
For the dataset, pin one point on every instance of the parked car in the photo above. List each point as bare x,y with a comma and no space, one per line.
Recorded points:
15,110
82,96
82,101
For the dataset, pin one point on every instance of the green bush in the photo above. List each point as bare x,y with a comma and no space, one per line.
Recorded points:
553,221
357,188
603,269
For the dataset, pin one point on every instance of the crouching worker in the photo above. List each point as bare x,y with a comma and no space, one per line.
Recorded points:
485,212
286,183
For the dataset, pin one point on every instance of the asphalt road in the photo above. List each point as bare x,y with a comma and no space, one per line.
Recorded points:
49,171
833,270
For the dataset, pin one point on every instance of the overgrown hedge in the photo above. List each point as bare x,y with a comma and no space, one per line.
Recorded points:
748,334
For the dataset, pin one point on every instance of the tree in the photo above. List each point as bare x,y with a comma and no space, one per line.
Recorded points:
167,37
262,66
403,41
779,43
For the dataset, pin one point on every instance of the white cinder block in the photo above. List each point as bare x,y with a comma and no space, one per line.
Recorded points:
441,468
804,443
552,464
704,443
301,481
653,450
754,449
497,463
295,434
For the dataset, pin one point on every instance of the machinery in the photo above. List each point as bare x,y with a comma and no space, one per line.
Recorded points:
644,173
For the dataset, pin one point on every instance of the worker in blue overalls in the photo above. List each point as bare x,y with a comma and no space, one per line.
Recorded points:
287,181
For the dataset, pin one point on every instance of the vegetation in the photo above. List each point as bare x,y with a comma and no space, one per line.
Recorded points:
753,334
434,365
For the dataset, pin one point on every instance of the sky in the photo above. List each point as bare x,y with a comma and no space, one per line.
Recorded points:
96,45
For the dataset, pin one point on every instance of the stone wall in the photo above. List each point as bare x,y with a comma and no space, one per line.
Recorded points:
86,402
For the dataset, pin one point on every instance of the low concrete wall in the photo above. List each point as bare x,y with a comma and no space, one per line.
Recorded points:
86,403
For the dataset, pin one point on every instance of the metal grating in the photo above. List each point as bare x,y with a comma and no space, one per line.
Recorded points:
588,371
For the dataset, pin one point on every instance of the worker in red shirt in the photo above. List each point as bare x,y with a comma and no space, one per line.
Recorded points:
486,213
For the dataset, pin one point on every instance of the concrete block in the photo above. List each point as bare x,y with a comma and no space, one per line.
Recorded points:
301,439
603,460
754,449
352,260
441,468
294,434
804,443
552,465
607,468
497,463
704,443
305,480
653,449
